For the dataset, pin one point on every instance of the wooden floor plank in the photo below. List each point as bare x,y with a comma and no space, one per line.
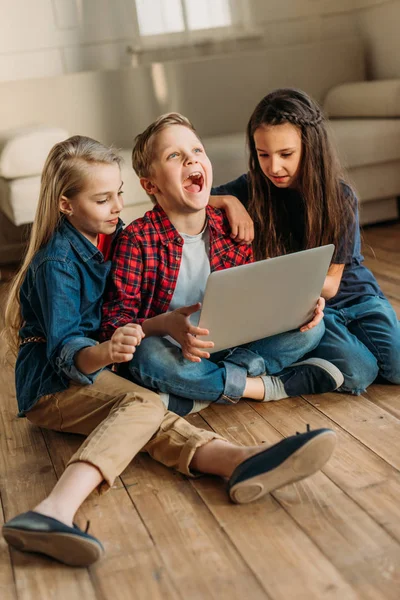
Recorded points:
332,520
282,556
131,557
26,476
384,237
355,469
376,255
386,396
271,527
370,424
388,271
7,585
196,552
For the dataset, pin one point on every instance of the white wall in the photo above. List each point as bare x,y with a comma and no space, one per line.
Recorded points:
52,37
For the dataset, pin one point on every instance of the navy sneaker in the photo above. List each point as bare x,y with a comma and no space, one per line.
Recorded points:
289,460
310,376
34,532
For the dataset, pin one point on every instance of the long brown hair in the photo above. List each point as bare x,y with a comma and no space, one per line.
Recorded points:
63,174
327,210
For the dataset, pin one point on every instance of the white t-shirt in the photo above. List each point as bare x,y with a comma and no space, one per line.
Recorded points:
193,272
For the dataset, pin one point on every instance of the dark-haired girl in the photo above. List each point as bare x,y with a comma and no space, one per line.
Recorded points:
296,196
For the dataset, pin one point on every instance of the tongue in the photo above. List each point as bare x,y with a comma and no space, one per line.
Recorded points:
193,187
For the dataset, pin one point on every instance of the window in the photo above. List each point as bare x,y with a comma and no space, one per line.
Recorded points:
176,19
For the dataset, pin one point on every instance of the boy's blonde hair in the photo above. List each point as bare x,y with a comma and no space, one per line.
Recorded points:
143,150
63,174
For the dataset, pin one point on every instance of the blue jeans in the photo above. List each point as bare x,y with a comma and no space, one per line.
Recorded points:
159,365
362,341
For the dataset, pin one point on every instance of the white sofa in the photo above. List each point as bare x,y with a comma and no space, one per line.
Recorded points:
364,119
218,94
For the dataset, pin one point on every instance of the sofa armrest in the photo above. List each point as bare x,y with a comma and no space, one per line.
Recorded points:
377,99
23,151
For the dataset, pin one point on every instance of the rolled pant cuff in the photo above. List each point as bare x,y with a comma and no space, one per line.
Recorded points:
195,441
235,384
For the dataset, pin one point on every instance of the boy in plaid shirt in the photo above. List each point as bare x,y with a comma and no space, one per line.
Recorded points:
160,268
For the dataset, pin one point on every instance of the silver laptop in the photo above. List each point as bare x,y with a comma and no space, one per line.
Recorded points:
254,301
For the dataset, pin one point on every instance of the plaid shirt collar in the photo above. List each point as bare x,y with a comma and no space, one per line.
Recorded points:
167,231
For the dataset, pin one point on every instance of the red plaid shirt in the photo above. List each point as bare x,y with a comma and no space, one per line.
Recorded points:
146,264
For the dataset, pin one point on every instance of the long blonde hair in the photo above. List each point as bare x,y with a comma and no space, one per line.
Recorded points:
63,175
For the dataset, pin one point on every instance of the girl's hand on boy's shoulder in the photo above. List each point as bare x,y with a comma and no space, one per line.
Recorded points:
181,329
318,315
242,226
124,341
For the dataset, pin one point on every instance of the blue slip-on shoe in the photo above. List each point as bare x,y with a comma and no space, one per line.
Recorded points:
34,532
290,460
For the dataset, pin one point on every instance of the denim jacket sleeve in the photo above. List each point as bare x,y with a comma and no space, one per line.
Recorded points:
57,306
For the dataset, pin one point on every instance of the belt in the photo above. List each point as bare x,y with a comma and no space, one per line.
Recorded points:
35,338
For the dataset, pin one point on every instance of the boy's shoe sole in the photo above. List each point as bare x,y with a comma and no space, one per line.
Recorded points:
34,532
289,460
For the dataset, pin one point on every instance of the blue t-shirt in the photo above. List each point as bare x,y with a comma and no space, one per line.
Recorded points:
357,281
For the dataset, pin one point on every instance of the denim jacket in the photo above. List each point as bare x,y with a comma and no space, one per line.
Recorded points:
61,300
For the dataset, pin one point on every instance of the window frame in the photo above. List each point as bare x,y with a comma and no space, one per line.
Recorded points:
241,26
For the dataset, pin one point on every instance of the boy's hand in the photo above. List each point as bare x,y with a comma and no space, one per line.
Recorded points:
239,219
181,329
124,341
318,315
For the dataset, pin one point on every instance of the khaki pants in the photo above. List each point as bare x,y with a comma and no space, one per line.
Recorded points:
120,419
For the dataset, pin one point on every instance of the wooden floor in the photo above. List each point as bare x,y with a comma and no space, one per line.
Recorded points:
335,535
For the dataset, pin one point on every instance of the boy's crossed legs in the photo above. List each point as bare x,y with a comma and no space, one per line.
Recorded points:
263,370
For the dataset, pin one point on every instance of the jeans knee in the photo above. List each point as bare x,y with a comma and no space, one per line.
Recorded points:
312,337
155,356
149,350
390,370
358,379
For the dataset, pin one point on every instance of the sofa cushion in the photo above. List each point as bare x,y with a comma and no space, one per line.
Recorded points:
19,197
366,141
364,99
23,151
376,181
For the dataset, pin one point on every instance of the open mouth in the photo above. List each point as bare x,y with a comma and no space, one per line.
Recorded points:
194,182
